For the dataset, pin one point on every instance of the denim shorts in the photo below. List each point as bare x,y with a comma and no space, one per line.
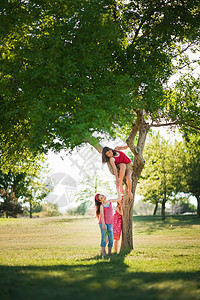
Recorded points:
104,235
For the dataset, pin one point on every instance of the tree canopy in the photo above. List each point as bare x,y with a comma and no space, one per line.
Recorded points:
74,68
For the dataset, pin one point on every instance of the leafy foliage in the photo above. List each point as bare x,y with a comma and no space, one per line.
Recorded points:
172,169
73,68
190,167
156,183
29,186
9,206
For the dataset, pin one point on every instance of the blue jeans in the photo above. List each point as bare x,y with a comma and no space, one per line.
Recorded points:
104,236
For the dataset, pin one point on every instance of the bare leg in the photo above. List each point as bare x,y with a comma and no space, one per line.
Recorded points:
115,245
122,170
109,250
129,182
103,251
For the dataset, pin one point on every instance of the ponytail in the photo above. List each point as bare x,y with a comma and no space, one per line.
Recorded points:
97,205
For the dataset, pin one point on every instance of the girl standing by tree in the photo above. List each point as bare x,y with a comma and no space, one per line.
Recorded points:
117,224
119,159
104,213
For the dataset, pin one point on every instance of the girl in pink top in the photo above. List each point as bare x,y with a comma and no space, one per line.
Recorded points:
104,213
119,159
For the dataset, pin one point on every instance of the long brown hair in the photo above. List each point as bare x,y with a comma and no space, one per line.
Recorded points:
105,158
97,205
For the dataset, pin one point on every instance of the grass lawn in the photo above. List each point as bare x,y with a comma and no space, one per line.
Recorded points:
58,258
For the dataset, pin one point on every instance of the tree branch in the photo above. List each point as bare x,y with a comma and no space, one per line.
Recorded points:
174,123
192,126
138,30
130,140
93,142
166,124
142,136
188,46
99,148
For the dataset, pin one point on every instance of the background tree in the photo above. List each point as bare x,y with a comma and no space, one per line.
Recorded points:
24,187
187,175
10,205
156,184
181,171
72,70
11,187
36,190
192,170
90,185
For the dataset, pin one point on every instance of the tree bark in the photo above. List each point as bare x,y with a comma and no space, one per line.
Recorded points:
163,209
155,209
127,219
198,206
127,233
30,209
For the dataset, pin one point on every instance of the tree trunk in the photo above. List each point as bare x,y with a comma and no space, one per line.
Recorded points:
155,209
198,206
30,209
127,218
163,209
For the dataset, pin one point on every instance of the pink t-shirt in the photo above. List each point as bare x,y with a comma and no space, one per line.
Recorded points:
122,158
108,214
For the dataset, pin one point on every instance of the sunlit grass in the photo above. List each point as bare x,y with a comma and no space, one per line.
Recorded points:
58,258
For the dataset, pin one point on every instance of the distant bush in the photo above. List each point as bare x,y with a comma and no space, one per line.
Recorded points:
49,210
183,206
79,210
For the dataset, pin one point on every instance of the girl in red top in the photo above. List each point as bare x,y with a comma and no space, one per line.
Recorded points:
117,224
119,159
104,213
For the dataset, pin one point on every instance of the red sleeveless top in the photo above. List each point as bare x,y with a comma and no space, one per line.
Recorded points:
122,158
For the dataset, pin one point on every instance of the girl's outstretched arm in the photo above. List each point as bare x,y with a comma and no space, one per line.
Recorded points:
119,197
121,147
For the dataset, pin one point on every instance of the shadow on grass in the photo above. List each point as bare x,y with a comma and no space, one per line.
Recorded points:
179,219
95,278
154,223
